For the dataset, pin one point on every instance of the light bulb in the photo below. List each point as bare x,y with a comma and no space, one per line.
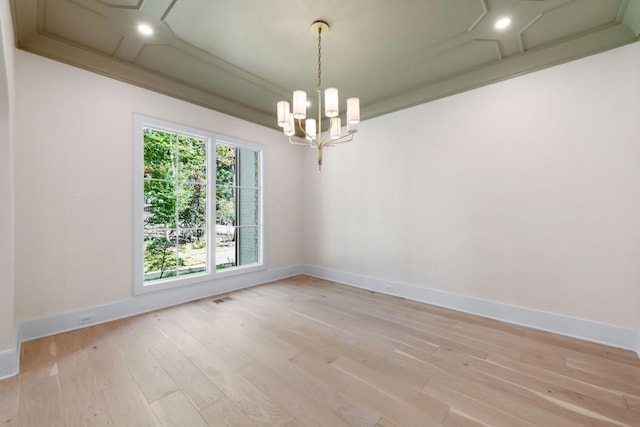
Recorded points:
145,29
502,23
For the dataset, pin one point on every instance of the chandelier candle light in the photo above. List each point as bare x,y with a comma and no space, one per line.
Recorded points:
312,131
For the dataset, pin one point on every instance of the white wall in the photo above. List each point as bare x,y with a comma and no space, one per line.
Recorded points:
525,192
73,178
7,335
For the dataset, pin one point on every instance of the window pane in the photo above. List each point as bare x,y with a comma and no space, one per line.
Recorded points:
225,165
225,205
237,206
247,168
159,154
247,206
192,205
192,157
248,242
159,204
159,254
192,251
225,246
236,246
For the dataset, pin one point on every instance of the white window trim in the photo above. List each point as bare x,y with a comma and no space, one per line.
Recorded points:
211,138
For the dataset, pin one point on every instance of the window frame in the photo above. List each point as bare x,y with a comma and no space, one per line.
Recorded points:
260,265
212,139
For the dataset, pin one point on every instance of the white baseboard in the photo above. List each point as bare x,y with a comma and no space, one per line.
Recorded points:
615,336
46,326
10,359
583,329
9,363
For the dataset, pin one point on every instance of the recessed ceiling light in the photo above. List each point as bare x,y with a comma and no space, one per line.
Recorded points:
502,23
145,29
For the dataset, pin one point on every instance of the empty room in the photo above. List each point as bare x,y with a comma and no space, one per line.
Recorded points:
319,213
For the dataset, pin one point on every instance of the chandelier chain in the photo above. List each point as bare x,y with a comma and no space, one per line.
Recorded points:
319,59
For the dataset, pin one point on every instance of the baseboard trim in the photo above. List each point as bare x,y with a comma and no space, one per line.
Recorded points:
578,328
587,330
50,325
9,363
10,359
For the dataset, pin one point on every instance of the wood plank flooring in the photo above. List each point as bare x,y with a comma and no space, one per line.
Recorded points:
307,352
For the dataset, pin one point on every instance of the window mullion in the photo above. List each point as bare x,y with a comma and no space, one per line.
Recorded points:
211,204
177,203
238,206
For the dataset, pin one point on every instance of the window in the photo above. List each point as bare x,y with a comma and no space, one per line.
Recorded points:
197,205
237,206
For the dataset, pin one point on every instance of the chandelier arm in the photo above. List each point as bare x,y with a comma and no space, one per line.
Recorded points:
309,137
302,129
325,137
341,140
308,140
297,141
311,141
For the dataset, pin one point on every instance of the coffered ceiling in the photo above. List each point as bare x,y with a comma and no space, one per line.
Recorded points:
240,57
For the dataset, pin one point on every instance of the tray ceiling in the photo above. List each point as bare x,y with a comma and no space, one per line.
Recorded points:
240,57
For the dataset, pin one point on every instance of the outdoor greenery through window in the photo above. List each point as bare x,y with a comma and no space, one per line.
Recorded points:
175,205
196,223
237,206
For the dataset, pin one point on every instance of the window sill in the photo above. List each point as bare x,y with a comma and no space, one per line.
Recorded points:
234,271
196,279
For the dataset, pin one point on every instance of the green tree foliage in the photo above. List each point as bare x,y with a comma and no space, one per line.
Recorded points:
159,173
192,196
225,175
175,196
159,256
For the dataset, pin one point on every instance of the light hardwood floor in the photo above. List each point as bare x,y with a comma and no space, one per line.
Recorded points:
306,352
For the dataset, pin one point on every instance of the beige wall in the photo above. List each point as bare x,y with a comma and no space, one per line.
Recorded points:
7,335
525,192
73,174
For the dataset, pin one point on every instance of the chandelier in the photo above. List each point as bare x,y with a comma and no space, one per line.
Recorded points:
312,133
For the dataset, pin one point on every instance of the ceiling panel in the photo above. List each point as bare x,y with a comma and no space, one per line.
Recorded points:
430,69
561,22
240,57
177,64
89,28
127,4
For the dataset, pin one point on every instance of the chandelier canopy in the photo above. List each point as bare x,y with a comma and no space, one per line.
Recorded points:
312,133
